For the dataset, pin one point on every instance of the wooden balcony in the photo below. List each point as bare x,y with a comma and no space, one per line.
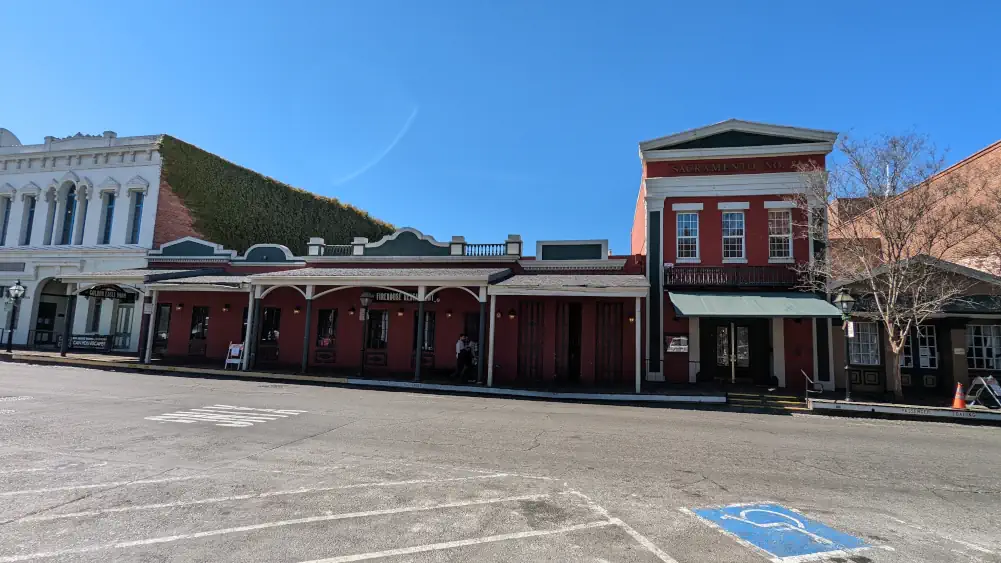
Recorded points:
730,276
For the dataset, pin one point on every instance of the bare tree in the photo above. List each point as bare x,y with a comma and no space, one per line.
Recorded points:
894,221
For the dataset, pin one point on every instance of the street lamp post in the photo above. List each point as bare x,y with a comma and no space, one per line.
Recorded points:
14,295
366,300
845,302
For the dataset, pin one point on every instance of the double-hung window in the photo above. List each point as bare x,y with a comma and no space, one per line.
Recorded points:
688,237
983,346
733,236
780,235
864,347
29,204
6,203
927,346
109,217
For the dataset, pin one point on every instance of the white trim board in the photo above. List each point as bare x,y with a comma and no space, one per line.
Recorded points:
781,204
780,183
687,207
541,243
730,152
733,205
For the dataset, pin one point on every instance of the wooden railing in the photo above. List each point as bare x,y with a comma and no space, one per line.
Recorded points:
486,249
730,276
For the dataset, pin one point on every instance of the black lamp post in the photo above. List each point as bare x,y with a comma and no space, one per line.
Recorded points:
14,295
366,300
845,303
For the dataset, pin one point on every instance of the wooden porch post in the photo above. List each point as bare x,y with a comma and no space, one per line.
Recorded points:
482,341
305,333
419,352
490,352
255,333
639,335
251,317
151,329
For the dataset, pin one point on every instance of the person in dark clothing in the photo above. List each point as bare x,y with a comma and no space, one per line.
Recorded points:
463,356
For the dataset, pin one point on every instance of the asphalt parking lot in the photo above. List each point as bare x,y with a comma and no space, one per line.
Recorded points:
99,466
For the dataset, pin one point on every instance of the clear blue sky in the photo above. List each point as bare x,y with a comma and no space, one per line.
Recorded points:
484,118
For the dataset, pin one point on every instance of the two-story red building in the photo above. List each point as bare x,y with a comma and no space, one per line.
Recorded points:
717,221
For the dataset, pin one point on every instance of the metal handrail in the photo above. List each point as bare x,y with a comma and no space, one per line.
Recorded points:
811,386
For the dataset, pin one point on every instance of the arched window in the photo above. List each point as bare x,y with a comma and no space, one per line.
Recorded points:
69,216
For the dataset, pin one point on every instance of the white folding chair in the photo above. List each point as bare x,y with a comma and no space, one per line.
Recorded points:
234,356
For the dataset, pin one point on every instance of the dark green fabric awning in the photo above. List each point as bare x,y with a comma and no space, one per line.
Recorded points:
738,304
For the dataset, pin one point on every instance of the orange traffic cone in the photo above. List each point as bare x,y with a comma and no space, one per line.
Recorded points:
959,399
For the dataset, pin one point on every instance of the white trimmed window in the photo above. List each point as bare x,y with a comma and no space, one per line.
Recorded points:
983,346
927,341
780,235
864,347
733,235
688,237
5,205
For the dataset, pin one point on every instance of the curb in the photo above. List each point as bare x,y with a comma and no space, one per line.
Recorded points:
692,401
888,411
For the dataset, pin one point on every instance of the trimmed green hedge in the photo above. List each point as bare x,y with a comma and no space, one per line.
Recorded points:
237,207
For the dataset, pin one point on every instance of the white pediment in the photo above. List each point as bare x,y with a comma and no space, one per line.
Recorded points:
794,135
109,185
7,190
69,176
137,182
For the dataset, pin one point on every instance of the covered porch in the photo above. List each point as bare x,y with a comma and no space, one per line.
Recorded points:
773,339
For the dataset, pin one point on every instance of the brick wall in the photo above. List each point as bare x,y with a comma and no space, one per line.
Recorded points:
173,219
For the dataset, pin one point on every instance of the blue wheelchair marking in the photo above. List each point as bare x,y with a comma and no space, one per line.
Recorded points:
779,531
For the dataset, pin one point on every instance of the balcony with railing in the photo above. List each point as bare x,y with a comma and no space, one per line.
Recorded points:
730,276
412,243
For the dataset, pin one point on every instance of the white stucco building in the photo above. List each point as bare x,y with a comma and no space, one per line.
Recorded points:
75,205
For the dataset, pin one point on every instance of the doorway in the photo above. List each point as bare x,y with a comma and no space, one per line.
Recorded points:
568,342
530,335
45,325
608,344
736,350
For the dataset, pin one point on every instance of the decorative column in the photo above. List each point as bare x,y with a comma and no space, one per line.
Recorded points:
305,333
482,341
655,274
419,352
255,333
150,328
490,351
68,321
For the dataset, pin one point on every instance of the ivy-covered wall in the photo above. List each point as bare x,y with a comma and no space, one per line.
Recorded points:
237,207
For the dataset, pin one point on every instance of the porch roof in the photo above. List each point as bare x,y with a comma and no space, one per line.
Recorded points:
734,304
607,285
137,275
204,283
382,276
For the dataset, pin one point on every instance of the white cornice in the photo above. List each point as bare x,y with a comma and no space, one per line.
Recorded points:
80,159
411,230
743,126
548,265
730,152
784,183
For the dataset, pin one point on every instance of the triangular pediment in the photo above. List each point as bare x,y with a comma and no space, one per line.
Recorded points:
735,133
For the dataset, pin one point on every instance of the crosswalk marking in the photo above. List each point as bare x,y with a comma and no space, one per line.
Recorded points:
229,416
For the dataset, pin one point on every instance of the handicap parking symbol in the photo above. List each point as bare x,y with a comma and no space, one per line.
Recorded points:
782,533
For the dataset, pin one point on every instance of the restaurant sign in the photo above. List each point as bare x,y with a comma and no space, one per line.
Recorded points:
109,292
395,296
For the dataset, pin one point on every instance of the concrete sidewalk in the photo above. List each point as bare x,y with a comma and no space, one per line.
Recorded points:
129,364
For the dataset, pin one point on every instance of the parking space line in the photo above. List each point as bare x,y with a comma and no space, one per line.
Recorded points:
213,500
51,468
461,543
264,526
100,485
640,538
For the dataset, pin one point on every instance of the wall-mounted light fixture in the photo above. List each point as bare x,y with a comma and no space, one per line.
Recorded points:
511,314
351,311
498,314
400,312
225,308
179,306
632,319
448,313
296,310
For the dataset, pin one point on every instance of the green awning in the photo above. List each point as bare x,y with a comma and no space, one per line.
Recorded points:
718,304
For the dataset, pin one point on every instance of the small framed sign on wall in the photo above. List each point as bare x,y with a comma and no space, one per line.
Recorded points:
676,343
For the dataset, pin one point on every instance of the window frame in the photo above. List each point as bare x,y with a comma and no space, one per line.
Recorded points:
927,334
856,354
383,340
742,237
203,329
993,332
30,221
8,203
109,217
135,224
331,337
678,238
271,315
430,322
69,217
787,238
94,324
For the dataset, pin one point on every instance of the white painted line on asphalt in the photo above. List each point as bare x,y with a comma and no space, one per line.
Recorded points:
226,415
50,468
964,543
461,543
178,504
18,398
640,538
262,526
100,485
734,537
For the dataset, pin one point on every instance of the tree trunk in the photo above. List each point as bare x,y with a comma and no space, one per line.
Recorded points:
893,381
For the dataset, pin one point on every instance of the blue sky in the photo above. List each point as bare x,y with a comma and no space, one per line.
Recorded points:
484,118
